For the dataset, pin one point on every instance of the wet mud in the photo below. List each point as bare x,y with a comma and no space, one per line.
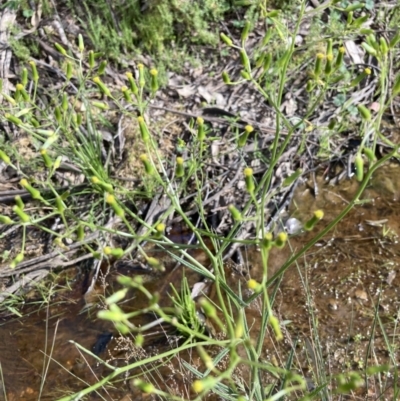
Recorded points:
338,305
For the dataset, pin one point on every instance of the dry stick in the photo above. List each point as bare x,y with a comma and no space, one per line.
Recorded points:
220,120
159,205
29,278
54,263
225,189
45,258
7,18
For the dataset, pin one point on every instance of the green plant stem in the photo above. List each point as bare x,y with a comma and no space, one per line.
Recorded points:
23,238
214,259
384,87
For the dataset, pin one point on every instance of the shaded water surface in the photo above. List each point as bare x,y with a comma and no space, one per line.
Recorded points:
340,308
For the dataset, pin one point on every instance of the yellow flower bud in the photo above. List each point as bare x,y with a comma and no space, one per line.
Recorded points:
201,134
60,49
226,40
208,308
145,387
117,252
35,75
226,78
198,386
126,93
91,59
253,285
46,158
102,67
143,129
236,215
340,56
273,320
160,228
81,45
101,86
110,199
4,157
249,128
155,264
266,242
18,259
179,171
359,164
147,164
310,224
5,220
21,214
318,64
248,176
280,240
19,202
34,192
154,80
142,81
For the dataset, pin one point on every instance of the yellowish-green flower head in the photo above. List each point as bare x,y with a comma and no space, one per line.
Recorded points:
248,172
249,128
24,182
319,214
110,199
252,284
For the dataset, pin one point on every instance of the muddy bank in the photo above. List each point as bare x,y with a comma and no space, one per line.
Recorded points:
338,307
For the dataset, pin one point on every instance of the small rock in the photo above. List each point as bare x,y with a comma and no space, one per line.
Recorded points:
333,304
391,276
361,295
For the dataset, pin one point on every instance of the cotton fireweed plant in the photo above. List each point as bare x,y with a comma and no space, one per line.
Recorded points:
69,129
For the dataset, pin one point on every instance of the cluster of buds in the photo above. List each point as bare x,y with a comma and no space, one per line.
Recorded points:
267,242
332,64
